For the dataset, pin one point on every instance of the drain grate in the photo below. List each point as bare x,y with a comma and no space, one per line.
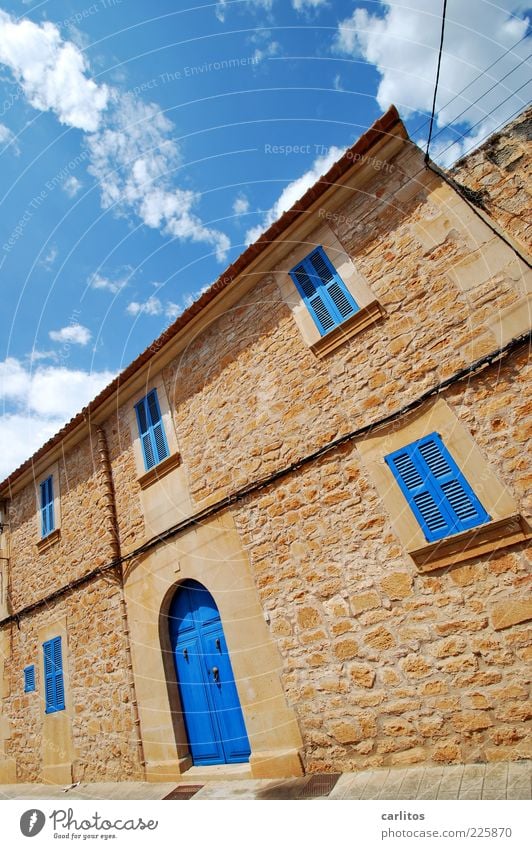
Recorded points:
184,791
318,785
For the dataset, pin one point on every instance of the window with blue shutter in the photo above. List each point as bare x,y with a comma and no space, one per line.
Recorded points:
436,490
54,688
47,506
29,679
323,291
151,430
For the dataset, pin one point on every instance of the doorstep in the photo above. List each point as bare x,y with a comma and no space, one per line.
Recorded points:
217,772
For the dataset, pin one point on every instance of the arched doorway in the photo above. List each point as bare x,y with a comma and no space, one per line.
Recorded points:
209,698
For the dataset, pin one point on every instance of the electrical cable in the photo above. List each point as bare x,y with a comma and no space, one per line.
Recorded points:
481,120
455,120
482,73
238,496
440,51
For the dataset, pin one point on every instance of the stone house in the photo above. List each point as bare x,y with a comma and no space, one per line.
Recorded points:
292,534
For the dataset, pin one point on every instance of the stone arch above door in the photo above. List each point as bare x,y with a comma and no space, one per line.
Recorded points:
211,554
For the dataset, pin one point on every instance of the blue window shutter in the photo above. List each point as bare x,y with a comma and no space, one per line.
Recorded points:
316,304
29,679
434,487
159,436
151,430
49,687
323,290
47,506
461,502
145,435
54,687
419,493
335,287
59,682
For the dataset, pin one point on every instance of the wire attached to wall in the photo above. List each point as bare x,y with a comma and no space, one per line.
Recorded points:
256,486
440,51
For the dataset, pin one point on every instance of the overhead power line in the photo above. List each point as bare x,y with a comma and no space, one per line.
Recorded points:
474,103
481,120
440,51
482,73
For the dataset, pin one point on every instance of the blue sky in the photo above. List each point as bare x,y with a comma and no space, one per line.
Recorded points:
143,147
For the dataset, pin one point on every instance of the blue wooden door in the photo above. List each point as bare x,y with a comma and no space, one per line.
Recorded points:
209,698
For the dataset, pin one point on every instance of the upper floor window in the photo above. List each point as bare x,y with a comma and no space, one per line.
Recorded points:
54,687
47,506
323,291
151,430
437,492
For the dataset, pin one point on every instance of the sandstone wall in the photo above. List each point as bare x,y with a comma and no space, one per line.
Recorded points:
382,663
501,170
250,396
385,665
99,698
84,542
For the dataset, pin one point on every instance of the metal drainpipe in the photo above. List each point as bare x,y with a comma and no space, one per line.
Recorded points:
112,525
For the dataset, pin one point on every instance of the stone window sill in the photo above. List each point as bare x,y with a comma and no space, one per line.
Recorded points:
363,318
46,542
159,471
489,537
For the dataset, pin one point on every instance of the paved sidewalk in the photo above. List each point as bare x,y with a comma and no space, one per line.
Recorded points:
472,781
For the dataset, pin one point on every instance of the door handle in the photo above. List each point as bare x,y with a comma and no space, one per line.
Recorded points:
215,674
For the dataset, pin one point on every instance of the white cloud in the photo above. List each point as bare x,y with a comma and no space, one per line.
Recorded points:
13,380
172,310
72,186
271,49
220,10
8,139
133,157
52,72
295,190
304,5
24,434
401,40
48,260
98,281
241,205
265,45
132,153
36,404
5,134
152,306
35,356
76,334
337,83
